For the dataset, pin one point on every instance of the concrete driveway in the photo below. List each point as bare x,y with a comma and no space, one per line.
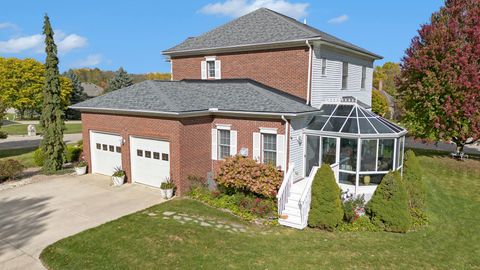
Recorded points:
36,215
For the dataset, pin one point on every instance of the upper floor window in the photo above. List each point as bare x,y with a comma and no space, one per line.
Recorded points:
344,75
324,66
211,68
364,76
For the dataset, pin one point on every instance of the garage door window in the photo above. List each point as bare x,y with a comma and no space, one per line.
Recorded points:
111,148
148,154
139,153
156,155
223,143
119,149
165,157
105,147
99,146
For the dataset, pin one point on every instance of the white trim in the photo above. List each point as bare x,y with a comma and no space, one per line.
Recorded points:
280,151
233,142
224,126
214,144
203,70
210,58
268,130
309,78
218,69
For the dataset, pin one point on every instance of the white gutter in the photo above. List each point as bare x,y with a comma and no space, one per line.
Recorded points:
309,80
287,139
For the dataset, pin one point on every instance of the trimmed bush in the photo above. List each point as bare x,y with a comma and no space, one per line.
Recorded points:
388,207
326,208
10,169
73,153
412,177
39,157
246,175
379,103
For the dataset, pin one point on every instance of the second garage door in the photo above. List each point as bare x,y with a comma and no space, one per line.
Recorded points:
150,160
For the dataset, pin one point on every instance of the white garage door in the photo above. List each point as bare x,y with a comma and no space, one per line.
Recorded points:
150,161
106,152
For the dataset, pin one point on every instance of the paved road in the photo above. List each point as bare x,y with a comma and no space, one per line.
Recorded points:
32,141
36,215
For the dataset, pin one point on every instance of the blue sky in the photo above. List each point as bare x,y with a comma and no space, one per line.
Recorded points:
109,34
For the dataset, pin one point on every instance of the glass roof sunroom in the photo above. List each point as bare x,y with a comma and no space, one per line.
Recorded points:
360,146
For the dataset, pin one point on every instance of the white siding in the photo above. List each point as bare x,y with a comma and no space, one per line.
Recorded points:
329,85
296,148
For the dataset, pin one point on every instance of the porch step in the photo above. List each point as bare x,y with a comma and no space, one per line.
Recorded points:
294,222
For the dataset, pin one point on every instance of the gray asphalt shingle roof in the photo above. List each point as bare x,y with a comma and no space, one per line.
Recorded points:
239,95
260,26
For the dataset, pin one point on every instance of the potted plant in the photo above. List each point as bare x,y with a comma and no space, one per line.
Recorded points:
81,167
167,188
118,176
366,180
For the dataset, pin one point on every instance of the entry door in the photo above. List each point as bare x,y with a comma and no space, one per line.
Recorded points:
150,161
106,152
330,153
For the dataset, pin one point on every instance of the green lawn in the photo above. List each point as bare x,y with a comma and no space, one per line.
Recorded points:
21,129
141,241
24,155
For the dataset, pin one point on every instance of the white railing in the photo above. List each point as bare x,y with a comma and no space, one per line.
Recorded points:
284,191
306,198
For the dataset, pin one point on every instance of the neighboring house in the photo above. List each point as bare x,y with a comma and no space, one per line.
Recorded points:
264,86
92,90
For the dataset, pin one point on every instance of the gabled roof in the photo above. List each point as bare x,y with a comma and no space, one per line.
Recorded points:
260,27
188,97
92,90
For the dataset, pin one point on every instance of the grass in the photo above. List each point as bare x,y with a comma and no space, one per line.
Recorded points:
451,241
24,155
21,129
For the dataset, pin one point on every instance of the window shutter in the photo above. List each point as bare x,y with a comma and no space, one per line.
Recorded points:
256,146
214,144
204,70
218,70
233,142
281,151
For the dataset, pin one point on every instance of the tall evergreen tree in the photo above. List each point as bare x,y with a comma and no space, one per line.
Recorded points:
78,95
120,80
52,117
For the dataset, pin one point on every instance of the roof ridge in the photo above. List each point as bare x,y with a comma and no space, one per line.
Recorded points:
293,22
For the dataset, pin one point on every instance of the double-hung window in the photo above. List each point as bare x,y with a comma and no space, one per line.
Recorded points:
344,75
324,66
269,148
223,143
211,69
364,76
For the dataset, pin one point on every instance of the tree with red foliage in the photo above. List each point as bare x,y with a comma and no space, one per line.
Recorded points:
440,80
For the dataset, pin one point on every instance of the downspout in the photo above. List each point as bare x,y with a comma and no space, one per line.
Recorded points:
309,71
287,139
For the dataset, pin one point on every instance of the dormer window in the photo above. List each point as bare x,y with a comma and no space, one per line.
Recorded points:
211,68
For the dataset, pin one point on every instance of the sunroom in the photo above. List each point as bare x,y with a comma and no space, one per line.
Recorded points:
360,146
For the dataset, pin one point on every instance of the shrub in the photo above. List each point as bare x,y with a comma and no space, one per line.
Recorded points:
195,181
412,177
10,169
361,224
379,103
352,207
246,175
326,208
3,135
39,157
258,206
73,153
388,207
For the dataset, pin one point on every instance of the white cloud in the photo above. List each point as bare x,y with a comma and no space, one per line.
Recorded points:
91,61
71,42
8,25
17,45
35,43
340,19
237,8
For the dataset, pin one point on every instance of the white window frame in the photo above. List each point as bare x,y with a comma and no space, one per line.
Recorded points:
209,63
345,67
219,144
262,145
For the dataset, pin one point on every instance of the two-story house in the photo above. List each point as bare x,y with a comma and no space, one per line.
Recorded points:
264,86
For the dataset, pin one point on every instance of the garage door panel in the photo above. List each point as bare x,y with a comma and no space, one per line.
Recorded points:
105,152
150,160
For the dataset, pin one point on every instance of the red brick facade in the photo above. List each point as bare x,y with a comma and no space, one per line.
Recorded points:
190,139
284,69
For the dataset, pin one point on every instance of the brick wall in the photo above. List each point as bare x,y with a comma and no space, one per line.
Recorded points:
284,69
190,139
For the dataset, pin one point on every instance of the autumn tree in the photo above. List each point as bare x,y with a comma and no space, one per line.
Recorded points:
120,80
387,74
440,77
379,103
78,95
52,119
